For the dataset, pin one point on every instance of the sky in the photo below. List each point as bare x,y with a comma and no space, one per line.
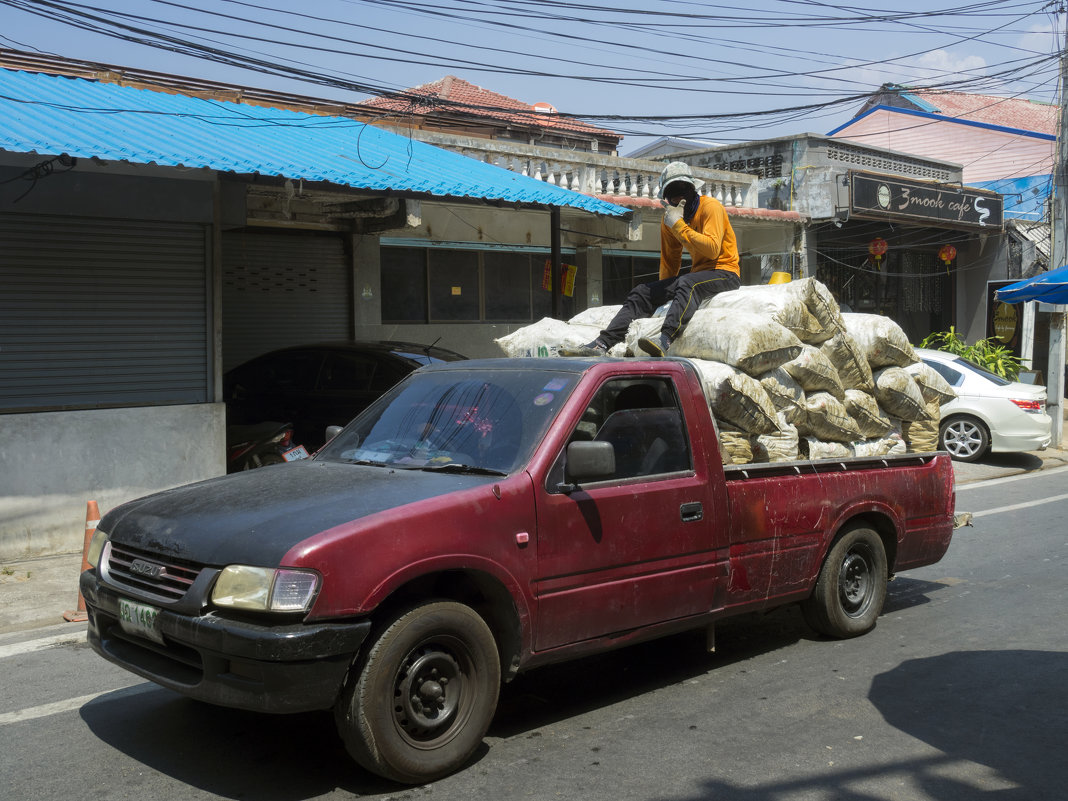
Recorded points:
751,70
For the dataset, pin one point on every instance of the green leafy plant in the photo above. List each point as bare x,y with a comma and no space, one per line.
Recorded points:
986,353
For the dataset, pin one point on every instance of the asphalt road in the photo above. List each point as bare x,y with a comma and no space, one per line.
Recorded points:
960,693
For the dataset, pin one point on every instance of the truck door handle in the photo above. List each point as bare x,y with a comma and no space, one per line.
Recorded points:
691,512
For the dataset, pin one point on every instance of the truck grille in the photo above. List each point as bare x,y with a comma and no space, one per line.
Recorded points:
166,579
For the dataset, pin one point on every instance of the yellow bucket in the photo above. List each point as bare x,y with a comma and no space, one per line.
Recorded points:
780,278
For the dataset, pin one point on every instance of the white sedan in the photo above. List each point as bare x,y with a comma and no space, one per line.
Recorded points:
990,412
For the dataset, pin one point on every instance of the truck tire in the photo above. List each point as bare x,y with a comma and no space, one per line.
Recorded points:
851,587
424,695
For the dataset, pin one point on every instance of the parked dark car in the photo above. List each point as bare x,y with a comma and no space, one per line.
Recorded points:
320,385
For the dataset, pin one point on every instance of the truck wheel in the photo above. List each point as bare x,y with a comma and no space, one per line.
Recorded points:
851,587
424,696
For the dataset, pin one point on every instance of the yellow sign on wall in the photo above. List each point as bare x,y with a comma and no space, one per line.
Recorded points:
1004,321
569,270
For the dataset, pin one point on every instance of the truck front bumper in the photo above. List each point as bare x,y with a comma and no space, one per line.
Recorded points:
295,667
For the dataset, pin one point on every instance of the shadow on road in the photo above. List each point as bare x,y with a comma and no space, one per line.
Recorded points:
227,752
1007,710
1004,710
238,754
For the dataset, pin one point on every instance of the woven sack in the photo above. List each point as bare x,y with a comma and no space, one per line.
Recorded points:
862,407
847,357
931,383
880,339
921,436
751,342
734,445
812,448
827,419
737,397
785,393
814,372
899,394
774,301
545,338
599,316
781,446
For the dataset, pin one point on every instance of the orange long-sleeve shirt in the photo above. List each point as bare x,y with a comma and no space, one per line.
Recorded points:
709,238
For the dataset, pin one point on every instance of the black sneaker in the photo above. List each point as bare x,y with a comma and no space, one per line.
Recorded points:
655,347
595,348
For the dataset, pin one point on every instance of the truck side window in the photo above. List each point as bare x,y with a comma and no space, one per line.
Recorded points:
642,420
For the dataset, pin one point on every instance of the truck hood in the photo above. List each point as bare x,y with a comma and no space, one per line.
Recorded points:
256,517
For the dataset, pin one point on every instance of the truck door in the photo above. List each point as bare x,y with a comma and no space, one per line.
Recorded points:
642,547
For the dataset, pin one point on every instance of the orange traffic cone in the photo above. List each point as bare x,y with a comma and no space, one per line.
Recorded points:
92,519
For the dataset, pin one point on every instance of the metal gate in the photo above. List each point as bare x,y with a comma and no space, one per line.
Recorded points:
99,313
283,289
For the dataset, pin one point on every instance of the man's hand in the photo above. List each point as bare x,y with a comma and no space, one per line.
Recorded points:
672,214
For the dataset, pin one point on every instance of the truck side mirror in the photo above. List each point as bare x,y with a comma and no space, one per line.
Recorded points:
588,461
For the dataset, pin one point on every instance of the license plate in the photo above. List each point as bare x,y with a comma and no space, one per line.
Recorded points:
295,454
140,620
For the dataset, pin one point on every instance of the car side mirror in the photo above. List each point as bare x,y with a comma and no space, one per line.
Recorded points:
332,431
587,461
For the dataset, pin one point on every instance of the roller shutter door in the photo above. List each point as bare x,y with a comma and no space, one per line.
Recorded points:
98,313
283,289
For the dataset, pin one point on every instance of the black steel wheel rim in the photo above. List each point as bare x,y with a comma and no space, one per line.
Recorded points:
856,581
431,693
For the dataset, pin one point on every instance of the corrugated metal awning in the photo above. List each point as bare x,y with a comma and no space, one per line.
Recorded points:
52,115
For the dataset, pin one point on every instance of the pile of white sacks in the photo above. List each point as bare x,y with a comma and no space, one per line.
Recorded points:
788,376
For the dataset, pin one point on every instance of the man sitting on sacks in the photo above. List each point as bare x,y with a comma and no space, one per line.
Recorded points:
701,225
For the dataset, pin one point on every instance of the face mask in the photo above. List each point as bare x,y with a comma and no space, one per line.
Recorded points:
691,207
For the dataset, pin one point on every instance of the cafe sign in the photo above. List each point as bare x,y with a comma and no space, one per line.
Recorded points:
873,195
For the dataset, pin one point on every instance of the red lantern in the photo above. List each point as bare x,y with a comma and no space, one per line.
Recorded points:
947,254
877,249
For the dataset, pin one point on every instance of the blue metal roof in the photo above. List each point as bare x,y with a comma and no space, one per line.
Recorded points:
51,115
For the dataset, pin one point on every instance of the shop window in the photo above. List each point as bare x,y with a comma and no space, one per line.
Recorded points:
508,290
620,274
404,285
442,285
454,286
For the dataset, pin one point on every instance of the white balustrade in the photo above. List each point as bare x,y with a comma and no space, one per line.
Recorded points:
615,178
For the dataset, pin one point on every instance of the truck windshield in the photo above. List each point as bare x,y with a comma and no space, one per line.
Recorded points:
478,420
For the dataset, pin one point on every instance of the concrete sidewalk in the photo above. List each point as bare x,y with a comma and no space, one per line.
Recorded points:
36,592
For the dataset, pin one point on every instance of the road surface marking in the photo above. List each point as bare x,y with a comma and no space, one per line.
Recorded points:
69,705
1017,506
40,644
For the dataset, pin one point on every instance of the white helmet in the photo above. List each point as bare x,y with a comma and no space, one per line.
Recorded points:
678,171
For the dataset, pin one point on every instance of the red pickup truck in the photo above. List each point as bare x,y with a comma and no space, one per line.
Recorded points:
483,518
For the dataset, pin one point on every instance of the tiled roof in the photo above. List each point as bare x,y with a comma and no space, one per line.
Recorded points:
1009,112
456,96
52,115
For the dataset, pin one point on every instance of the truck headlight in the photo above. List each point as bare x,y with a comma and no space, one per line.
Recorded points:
265,589
96,547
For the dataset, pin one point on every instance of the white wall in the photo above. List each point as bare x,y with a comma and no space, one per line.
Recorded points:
53,463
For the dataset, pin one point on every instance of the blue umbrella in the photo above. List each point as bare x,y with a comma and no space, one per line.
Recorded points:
1049,287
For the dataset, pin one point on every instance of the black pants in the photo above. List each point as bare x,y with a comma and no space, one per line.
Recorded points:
685,292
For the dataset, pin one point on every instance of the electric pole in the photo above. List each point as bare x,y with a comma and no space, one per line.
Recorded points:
1059,258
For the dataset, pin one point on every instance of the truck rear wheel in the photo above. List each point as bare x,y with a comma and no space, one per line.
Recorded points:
851,587
424,696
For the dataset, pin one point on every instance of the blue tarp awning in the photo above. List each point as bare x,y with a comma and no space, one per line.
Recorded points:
1024,197
53,115
1049,287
